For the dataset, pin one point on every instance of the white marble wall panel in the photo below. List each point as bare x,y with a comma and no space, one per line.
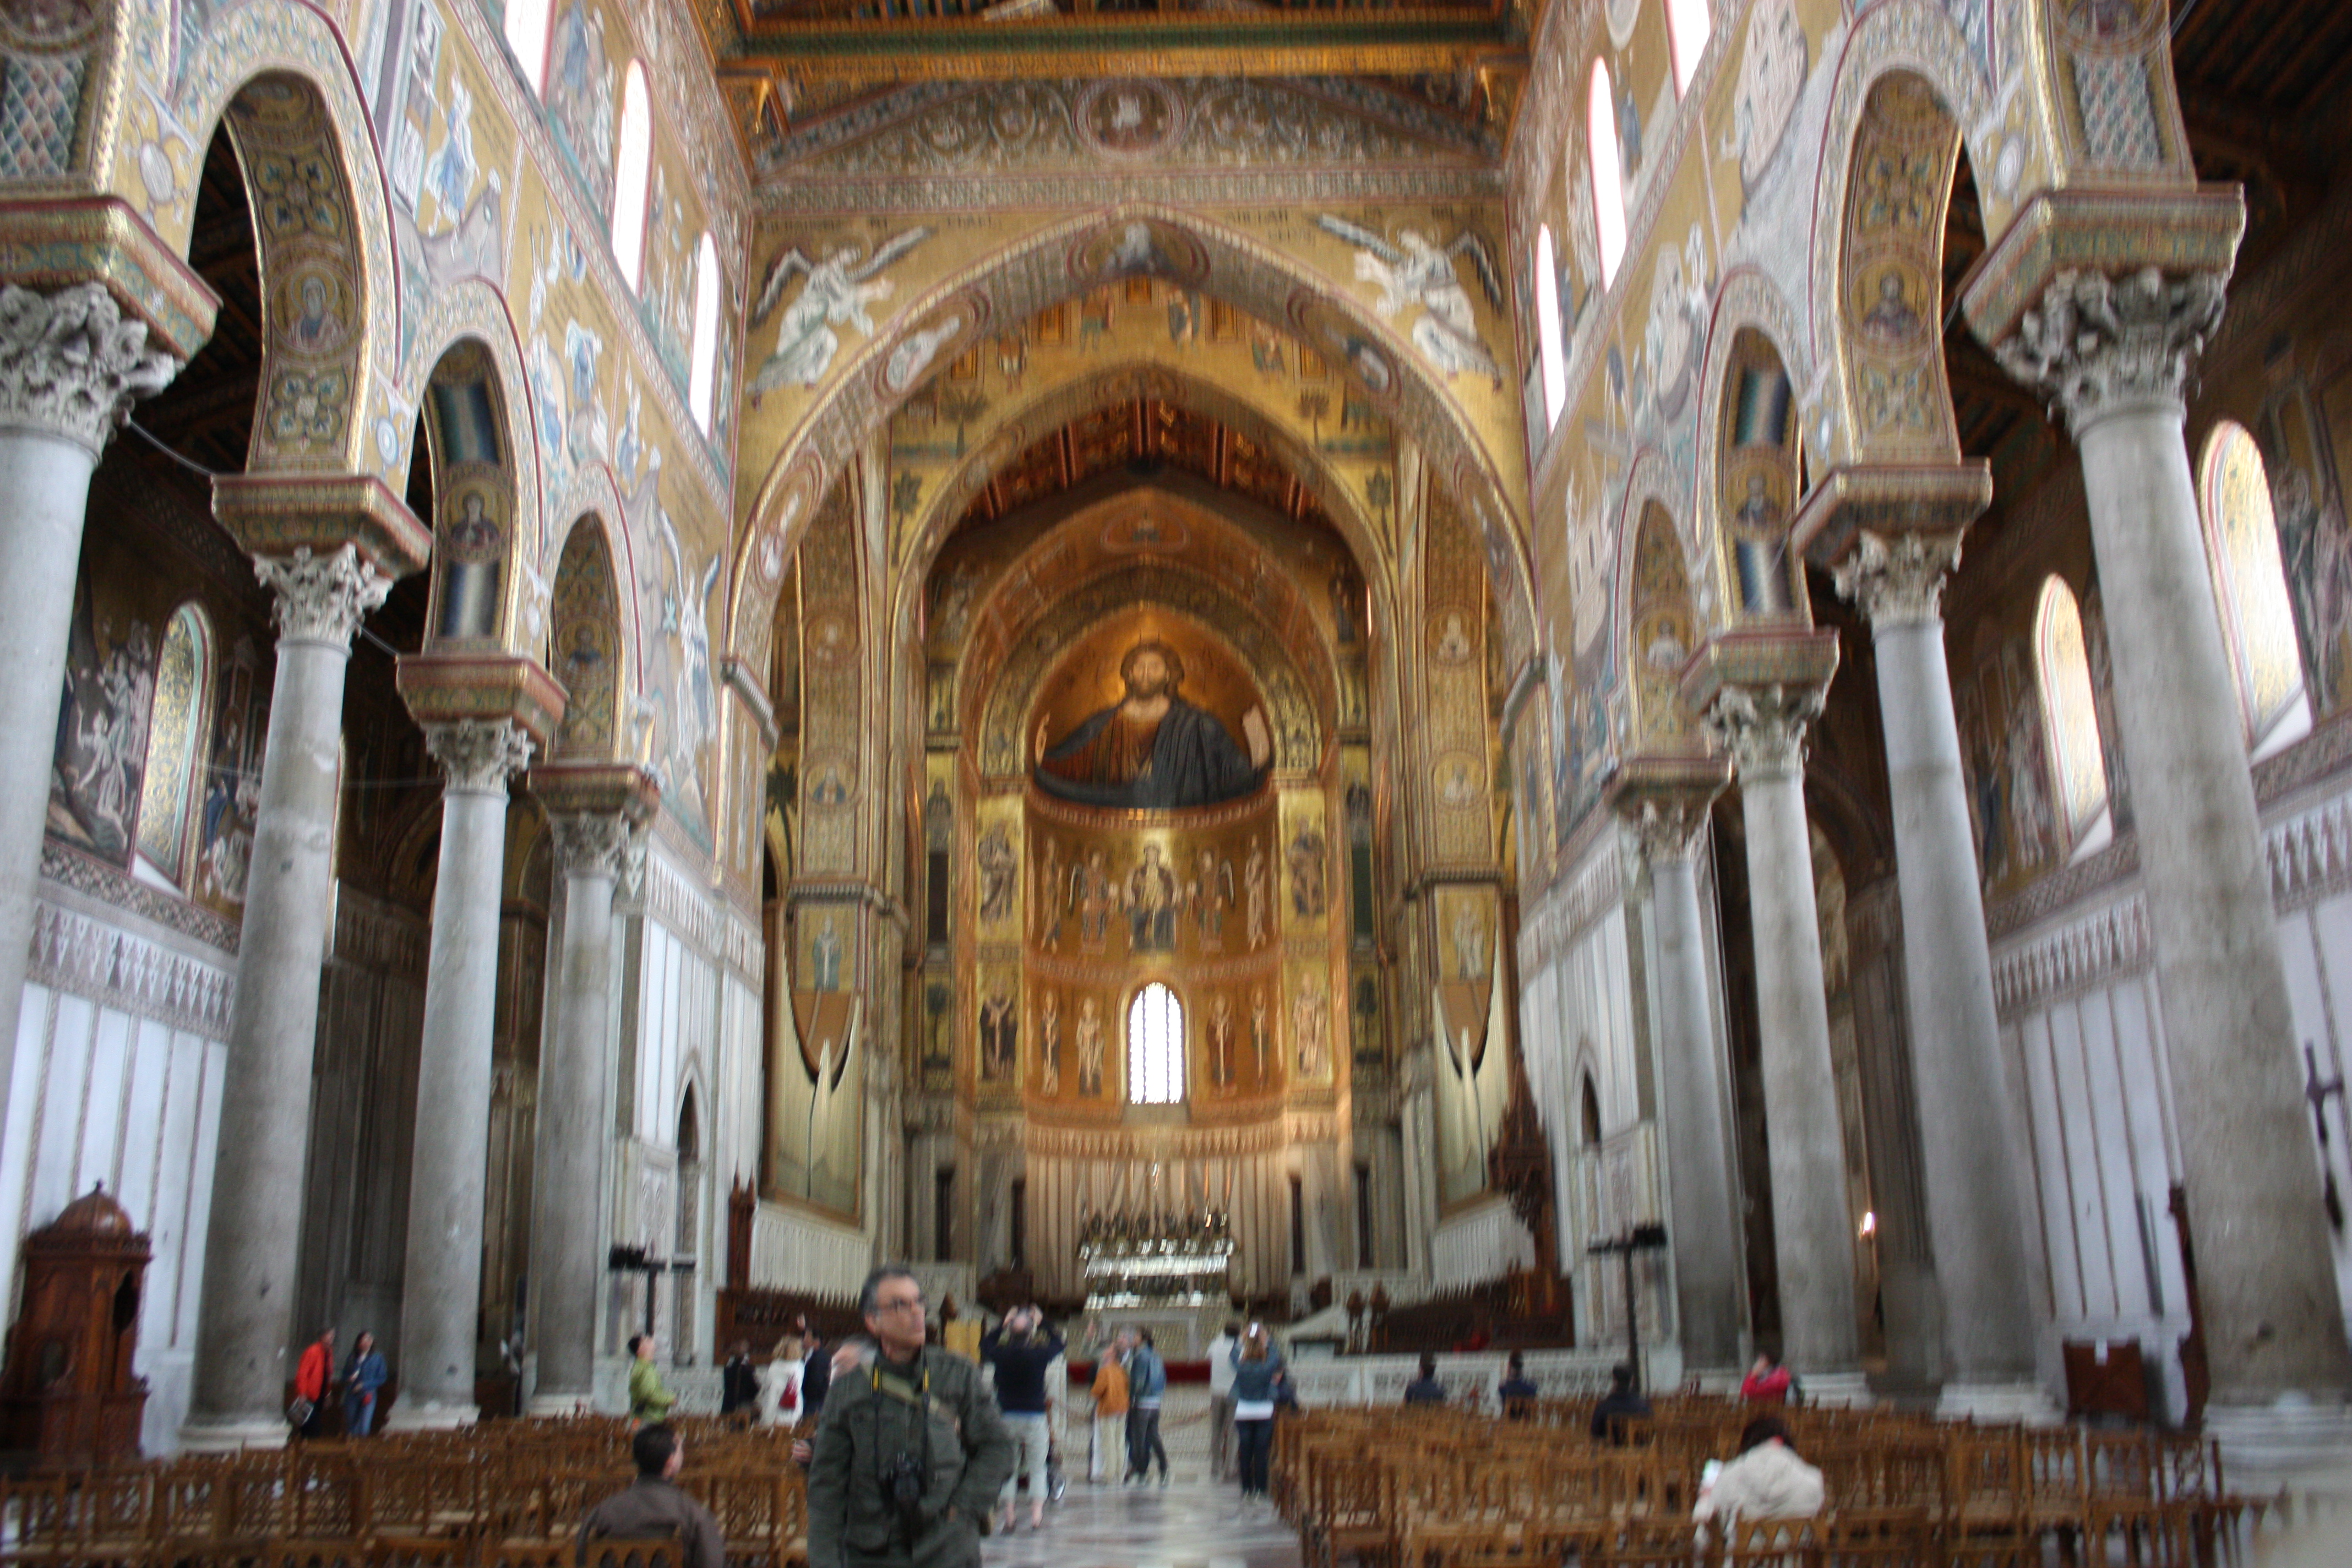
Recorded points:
105,1091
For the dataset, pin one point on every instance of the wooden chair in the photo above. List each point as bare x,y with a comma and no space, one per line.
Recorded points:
1775,1543
609,1553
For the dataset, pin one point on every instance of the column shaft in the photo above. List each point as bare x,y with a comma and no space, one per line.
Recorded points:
442,1281
2273,1319
1968,1150
1709,1287
45,482
1811,1233
566,1265
69,368
245,1329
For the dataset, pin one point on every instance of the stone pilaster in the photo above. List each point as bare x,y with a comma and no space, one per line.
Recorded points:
69,367
1891,536
1758,691
1667,801
2103,304
360,538
599,813
482,717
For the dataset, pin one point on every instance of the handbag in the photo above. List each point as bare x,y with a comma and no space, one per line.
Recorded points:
298,1414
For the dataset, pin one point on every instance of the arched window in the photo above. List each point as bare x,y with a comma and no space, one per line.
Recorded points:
2242,547
702,362
526,30
1155,1047
2070,716
1687,28
1608,172
174,736
1548,338
634,167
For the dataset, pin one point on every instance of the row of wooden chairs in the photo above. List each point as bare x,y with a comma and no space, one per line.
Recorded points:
1419,1488
476,1497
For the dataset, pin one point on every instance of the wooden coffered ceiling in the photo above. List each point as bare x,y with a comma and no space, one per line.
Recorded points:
1145,435
782,61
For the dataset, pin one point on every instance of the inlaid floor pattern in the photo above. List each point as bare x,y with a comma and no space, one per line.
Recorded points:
1190,1524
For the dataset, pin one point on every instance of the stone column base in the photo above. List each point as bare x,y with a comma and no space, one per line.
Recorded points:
230,1437
2295,1437
1837,1390
429,1415
561,1405
1991,1403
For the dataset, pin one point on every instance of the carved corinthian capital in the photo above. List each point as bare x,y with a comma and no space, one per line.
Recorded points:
70,366
2096,344
1763,726
593,844
479,754
1898,580
320,598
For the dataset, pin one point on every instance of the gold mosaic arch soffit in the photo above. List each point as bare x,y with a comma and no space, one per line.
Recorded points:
1241,569
1236,269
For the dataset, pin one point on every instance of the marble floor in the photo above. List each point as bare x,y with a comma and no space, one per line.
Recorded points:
1190,1524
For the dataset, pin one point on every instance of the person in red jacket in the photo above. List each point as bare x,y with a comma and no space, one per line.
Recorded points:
310,1375
1767,1383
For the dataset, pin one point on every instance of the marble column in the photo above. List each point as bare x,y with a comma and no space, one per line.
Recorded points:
69,368
441,1280
245,1326
1666,800
1970,1150
1757,691
596,813
2113,352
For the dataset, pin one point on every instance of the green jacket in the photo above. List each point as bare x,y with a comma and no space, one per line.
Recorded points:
648,1400
937,1409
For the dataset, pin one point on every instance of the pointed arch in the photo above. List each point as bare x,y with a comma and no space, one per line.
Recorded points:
1018,281
468,441
1755,484
584,649
277,74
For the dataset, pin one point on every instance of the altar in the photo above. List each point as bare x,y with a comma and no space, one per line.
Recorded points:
1167,1274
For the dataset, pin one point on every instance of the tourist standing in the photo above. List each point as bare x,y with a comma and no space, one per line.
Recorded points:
910,1454
362,1379
1221,1402
1147,1381
311,1375
1022,1347
1255,1361
738,1385
1426,1389
1110,1414
648,1400
1768,1381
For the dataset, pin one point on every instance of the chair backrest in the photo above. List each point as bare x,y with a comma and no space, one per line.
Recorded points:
610,1553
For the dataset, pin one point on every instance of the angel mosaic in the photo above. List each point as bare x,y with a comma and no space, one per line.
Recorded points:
1412,271
838,291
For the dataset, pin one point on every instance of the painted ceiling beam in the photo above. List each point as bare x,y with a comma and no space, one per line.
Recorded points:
1385,43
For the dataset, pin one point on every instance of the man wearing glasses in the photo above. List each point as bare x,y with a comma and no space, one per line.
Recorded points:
910,1452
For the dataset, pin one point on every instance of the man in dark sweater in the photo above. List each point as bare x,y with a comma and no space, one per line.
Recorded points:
1426,1389
1022,1347
1619,1405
